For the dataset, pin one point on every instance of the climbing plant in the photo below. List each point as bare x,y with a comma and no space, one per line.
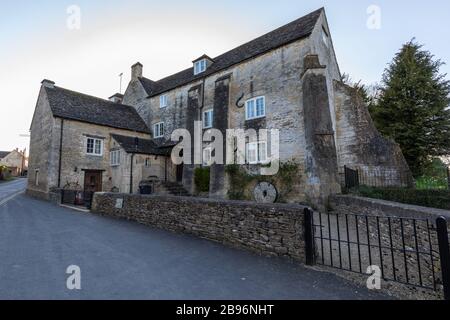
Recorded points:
201,179
241,179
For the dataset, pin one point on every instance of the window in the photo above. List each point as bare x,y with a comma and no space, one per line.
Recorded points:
147,162
257,152
208,119
255,108
115,158
94,147
325,36
199,66
207,156
36,178
158,130
163,101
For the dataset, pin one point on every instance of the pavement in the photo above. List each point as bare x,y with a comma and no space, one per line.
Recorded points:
123,260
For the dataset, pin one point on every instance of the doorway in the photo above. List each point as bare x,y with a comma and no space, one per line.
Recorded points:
180,173
92,181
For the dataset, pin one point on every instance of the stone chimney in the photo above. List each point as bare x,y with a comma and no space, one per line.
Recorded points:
48,83
117,98
136,71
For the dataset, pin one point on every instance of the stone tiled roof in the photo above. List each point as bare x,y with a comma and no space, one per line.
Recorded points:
4,154
73,105
296,30
143,146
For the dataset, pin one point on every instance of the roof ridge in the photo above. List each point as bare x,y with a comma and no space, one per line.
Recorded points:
274,30
315,12
74,105
91,96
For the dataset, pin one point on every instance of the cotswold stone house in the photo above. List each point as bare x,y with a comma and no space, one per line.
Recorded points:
287,79
15,161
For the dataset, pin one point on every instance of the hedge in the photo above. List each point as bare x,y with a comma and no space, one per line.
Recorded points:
427,198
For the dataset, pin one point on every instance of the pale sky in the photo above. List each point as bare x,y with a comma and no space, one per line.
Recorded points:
165,36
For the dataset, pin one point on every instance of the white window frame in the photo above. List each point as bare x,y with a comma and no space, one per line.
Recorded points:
254,114
114,158
93,152
256,147
200,66
207,157
163,101
205,125
157,131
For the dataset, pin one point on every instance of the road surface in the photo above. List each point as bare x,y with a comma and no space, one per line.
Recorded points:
124,260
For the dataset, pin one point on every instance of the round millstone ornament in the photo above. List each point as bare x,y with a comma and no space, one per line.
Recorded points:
265,192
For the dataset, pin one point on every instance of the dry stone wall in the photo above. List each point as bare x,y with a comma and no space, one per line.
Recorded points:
271,230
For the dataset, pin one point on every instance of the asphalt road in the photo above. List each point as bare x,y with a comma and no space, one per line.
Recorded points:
8,189
123,260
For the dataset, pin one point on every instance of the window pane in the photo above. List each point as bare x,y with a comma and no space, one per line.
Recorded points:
208,119
250,109
260,108
262,151
98,146
252,153
90,146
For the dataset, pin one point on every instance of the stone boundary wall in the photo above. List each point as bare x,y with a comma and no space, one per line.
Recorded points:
270,230
53,196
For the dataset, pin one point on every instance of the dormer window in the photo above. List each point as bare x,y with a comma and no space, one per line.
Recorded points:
202,63
199,66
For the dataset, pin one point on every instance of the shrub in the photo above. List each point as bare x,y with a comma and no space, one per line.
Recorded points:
428,198
201,179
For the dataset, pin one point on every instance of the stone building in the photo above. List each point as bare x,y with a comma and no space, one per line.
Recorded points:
288,80
15,161
75,139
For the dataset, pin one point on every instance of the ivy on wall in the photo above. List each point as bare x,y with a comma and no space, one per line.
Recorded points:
201,179
241,180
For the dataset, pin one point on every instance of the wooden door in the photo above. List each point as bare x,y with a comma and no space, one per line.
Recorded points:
93,181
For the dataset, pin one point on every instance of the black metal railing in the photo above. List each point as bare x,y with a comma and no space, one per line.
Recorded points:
409,251
77,198
392,177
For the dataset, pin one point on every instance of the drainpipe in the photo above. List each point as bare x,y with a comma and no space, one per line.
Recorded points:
131,173
60,152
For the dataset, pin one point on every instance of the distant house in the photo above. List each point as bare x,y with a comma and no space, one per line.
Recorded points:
85,143
15,161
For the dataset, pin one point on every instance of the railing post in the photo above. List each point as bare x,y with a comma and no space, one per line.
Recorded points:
309,237
345,177
448,178
444,253
357,182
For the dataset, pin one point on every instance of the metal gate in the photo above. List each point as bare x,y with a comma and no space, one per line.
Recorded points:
77,198
410,251
351,178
